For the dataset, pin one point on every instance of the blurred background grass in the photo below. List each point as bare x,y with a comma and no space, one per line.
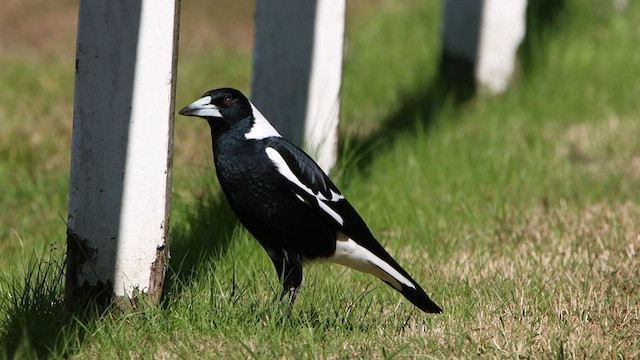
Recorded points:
519,209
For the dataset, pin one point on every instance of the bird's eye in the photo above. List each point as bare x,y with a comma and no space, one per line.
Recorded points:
228,101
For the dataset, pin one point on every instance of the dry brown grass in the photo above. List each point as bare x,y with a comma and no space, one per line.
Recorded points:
41,27
38,27
603,147
560,282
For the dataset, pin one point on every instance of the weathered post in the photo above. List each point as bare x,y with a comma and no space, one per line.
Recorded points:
485,34
297,71
121,149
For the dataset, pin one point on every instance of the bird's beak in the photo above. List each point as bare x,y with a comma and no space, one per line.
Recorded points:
202,108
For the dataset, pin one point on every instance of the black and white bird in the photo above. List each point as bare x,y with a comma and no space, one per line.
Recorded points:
287,202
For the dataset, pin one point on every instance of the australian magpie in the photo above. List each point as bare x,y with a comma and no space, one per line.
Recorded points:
287,202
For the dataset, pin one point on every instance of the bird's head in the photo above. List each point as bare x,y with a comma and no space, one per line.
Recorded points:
225,103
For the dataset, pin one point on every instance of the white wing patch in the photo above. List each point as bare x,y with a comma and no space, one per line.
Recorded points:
261,128
349,253
285,171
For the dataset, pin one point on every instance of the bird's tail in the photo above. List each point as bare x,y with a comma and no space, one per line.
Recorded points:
417,296
375,260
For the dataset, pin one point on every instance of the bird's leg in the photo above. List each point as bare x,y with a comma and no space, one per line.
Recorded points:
293,292
289,268
283,293
291,285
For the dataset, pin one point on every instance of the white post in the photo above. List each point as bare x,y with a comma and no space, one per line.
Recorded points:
122,147
487,34
297,71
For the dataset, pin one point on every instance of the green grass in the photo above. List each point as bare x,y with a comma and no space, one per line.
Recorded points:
518,213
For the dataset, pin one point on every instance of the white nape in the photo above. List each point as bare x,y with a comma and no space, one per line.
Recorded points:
262,128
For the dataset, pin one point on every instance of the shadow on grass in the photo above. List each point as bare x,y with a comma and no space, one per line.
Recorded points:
39,323
419,107
202,237
454,85
543,18
36,317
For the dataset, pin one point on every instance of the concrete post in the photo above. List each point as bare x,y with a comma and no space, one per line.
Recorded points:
486,33
297,71
121,148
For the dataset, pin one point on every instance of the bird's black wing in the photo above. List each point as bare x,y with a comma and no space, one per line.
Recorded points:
312,186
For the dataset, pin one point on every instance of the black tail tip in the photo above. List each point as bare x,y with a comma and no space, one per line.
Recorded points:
431,307
421,300
418,297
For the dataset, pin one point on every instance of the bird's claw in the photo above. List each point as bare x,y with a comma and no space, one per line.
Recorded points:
293,292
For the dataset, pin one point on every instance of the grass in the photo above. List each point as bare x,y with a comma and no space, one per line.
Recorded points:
518,213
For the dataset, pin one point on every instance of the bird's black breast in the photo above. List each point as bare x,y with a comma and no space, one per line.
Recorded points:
263,201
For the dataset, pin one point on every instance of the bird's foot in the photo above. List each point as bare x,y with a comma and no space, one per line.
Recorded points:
293,292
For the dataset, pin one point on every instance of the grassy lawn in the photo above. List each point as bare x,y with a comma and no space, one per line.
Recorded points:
519,214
